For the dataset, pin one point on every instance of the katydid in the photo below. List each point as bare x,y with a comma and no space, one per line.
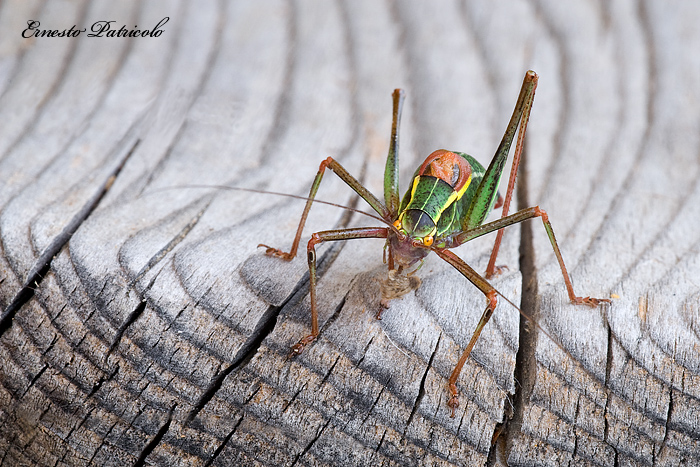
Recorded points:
448,199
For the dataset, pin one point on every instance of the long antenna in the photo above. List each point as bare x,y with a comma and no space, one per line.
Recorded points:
266,192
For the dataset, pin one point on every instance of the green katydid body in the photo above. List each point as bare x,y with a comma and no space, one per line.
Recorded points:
446,204
454,209
438,200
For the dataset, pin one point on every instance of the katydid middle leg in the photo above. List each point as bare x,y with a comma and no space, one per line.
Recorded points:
521,216
350,181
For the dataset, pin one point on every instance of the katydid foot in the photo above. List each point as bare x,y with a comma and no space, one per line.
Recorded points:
383,306
299,347
277,253
453,403
497,271
589,301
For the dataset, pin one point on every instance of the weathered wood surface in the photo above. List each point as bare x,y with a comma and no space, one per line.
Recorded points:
159,333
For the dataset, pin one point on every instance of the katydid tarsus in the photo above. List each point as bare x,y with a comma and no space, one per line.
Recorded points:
448,199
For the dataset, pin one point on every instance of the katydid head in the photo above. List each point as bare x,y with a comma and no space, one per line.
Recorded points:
407,250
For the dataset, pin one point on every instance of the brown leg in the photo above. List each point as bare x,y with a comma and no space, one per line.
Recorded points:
326,236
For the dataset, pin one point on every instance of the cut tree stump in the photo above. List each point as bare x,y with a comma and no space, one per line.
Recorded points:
142,325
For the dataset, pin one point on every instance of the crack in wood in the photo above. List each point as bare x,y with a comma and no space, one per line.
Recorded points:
51,345
328,373
133,316
608,392
34,379
148,449
379,445
421,388
82,421
178,314
103,441
60,460
220,448
43,263
253,394
264,327
574,452
376,400
525,371
96,387
311,443
364,352
294,398
666,425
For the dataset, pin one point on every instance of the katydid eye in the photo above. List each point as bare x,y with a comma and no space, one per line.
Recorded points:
397,224
427,241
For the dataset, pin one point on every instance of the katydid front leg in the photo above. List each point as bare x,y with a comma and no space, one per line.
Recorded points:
489,291
328,236
490,294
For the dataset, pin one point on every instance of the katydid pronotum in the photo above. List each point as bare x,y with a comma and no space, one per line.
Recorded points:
448,199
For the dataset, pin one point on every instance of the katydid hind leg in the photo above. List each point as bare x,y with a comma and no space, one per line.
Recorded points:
327,236
391,183
491,292
529,87
453,402
487,192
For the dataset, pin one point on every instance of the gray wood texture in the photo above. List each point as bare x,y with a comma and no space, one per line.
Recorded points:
151,330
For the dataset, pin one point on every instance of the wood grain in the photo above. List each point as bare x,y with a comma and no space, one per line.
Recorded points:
157,333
